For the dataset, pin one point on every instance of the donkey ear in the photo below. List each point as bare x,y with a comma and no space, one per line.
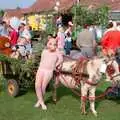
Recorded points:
106,59
92,62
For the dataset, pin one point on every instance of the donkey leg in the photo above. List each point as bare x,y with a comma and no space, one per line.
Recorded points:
92,107
92,100
83,105
55,86
84,91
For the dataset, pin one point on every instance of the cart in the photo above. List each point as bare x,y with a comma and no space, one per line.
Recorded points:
17,81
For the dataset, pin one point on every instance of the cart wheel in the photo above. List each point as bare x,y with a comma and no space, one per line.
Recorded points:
108,90
12,88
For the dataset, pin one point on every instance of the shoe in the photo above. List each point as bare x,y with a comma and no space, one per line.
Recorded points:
44,107
37,104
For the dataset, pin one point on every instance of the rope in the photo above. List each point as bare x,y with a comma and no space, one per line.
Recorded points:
79,94
77,76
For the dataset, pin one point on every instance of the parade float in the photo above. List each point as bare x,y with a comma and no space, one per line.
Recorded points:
12,69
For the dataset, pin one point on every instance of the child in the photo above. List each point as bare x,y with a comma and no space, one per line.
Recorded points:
50,59
68,43
15,54
61,39
27,35
22,48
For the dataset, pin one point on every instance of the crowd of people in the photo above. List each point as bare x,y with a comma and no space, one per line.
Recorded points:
88,39
20,39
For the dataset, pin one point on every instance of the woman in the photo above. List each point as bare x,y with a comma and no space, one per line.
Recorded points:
13,35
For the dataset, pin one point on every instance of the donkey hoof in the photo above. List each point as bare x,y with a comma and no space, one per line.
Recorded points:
84,113
95,114
54,101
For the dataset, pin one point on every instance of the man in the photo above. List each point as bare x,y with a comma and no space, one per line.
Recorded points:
86,42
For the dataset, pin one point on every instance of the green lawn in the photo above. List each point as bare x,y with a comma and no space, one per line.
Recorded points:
67,108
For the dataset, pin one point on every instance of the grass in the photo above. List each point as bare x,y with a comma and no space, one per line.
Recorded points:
67,108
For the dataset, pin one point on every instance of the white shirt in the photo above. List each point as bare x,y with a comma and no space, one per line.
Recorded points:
26,34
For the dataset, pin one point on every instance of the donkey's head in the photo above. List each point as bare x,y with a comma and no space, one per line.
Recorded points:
110,67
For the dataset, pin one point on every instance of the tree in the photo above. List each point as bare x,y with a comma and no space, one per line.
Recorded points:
102,15
1,13
83,15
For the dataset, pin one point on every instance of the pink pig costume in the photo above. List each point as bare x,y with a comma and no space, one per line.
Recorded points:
49,61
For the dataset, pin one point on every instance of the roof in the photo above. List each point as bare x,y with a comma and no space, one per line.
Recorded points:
14,12
47,5
113,4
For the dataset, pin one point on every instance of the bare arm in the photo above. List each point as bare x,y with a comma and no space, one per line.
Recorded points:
60,59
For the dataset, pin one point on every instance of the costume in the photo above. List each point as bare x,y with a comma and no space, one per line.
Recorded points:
49,61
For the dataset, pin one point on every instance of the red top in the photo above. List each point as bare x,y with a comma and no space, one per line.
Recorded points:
111,40
13,37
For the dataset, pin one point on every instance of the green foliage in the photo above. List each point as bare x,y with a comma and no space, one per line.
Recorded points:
102,15
2,82
51,28
1,13
23,69
82,15
76,31
37,48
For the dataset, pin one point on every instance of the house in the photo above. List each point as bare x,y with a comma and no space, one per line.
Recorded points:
42,10
38,13
51,6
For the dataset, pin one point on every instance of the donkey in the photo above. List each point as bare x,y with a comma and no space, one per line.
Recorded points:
94,69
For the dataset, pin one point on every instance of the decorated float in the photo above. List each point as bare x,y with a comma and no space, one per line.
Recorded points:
18,73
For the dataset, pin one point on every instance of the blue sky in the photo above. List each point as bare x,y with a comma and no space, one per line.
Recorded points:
4,4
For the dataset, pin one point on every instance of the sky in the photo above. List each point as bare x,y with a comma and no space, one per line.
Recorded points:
11,4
